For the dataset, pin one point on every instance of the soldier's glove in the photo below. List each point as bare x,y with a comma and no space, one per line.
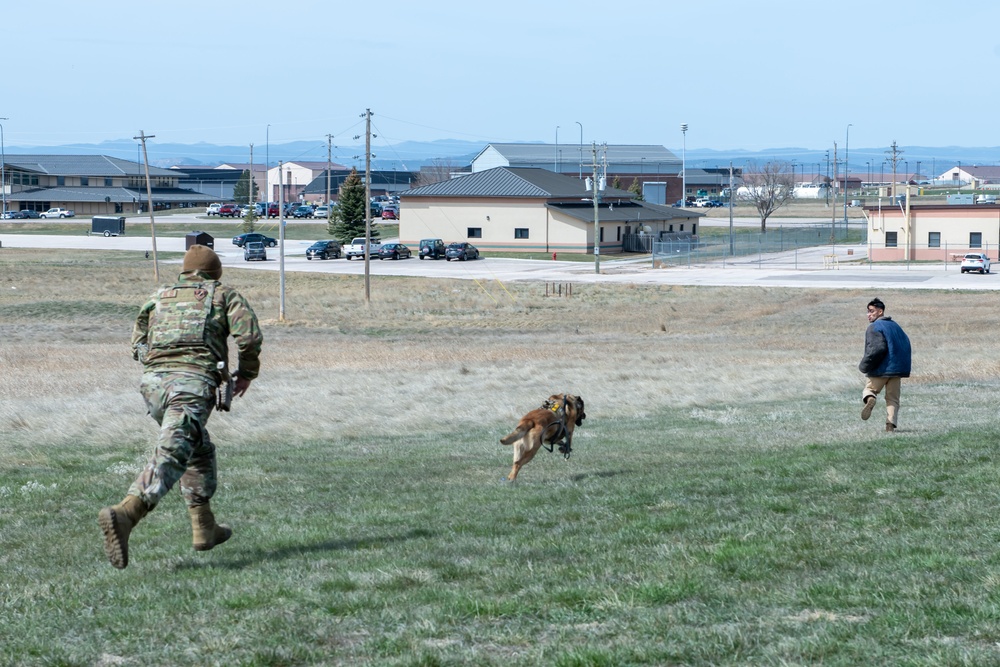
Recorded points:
224,395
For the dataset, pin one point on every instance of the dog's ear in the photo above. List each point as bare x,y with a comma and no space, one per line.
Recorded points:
580,414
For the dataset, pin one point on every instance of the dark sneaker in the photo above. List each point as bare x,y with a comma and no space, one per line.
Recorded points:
890,427
866,411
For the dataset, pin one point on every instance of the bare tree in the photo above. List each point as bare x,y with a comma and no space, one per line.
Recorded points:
439,170
768,187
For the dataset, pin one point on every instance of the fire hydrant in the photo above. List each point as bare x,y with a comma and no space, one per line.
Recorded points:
553,257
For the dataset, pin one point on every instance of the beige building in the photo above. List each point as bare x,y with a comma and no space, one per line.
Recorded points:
933,232
296,176
532,210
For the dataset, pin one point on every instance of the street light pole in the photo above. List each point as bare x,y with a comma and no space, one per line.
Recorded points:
267,167
581,148
684,133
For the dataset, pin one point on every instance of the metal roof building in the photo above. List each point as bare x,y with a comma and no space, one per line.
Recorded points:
532,209
90,184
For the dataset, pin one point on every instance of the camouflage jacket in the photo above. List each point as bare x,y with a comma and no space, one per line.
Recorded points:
186,326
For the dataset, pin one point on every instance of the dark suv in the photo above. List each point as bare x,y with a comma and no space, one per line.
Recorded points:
323,250
433,248
242,239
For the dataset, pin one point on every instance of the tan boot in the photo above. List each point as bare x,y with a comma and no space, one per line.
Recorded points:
117,523
205,532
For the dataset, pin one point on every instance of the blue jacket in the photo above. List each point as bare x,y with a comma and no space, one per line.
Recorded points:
887,350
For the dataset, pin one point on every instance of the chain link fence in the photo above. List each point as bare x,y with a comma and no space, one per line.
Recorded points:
799,246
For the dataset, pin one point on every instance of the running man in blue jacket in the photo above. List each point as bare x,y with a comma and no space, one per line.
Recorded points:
886,361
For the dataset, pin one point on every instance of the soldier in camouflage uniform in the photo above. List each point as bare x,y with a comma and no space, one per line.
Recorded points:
181,336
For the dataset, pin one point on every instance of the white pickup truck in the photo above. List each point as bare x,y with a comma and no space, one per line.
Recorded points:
357,248
58,213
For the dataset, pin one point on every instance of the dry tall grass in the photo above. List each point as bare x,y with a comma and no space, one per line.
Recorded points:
439,354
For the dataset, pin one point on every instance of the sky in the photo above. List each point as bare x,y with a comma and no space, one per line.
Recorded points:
742,75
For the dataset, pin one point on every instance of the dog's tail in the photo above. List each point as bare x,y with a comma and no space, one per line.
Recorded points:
512,437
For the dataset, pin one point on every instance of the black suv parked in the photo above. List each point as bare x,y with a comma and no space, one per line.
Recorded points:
433,248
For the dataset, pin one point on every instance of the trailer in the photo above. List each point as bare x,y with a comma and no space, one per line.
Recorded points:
108,225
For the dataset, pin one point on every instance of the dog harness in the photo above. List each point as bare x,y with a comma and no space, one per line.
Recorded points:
559,435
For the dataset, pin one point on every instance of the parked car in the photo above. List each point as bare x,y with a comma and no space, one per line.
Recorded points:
461,251
213,209
59,213
10,215
323,250
321,212
390,213
251,237
28,213
976,261
394,251
302,212
254,250
229,211
273,210
433,248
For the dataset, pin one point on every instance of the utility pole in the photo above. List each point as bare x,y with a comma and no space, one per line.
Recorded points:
597,224
847,170
894,154
149,196
368,208
3,176
833,213
281,236
828,179
250,184
329,148
731,253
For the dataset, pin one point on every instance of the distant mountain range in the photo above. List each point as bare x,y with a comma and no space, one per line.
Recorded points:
412,155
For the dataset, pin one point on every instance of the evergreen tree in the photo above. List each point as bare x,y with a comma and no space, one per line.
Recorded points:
352,210
617,183
241,191
636,189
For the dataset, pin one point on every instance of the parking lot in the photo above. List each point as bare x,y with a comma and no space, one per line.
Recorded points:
823,266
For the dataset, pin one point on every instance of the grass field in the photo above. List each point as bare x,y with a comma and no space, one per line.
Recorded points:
724,504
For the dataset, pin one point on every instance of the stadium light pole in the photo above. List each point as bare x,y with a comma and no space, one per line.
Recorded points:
684,132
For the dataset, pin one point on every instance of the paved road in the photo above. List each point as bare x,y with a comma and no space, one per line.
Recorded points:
804,269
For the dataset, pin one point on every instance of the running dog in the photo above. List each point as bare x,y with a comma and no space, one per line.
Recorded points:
552,425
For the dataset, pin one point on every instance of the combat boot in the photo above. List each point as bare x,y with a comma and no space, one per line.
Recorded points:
205,532
117,523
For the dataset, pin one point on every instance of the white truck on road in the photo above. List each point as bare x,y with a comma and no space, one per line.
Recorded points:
357,248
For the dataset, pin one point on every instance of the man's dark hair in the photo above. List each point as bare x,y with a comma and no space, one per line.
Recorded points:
877,302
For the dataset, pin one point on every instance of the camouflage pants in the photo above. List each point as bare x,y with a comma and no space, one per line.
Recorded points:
181,404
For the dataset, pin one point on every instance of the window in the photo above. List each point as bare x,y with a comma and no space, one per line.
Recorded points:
108,182
619,236
975,239
933,239
890,239
520,232
682,226
671,228
84,181
475,232
602,234
60,181
694,227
